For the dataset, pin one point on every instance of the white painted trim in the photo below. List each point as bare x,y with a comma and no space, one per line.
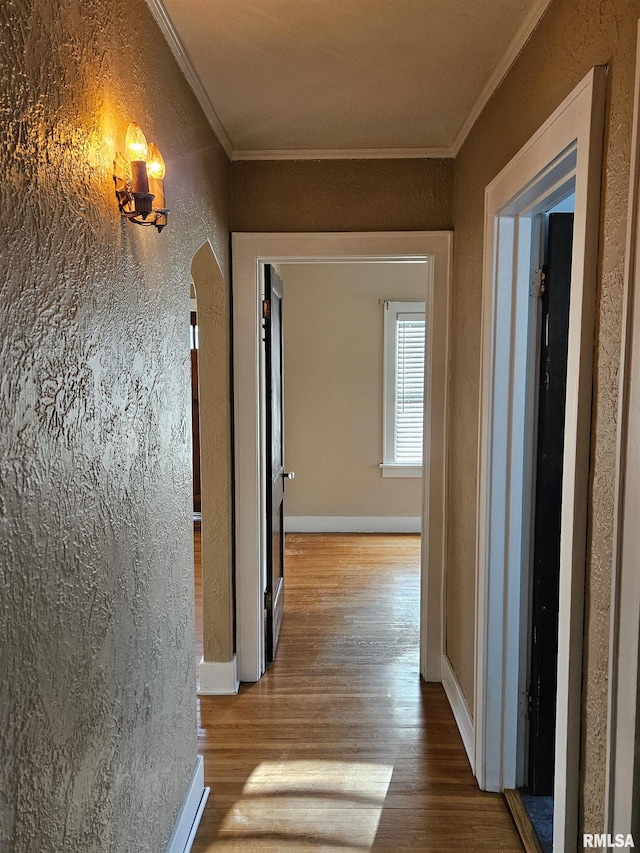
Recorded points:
576,124
624,639
460,709
434,470
186,66
391,469
218,678
188,820
249,253
536,11
352,524
196,820
345,153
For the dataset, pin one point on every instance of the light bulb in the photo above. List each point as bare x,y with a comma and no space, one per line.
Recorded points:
136,143
155,163
155,170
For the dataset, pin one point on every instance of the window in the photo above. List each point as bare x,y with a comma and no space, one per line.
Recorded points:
403,399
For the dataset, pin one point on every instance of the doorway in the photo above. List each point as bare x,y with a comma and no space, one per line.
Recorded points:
353,353
250,253
195,409
564,155
554,285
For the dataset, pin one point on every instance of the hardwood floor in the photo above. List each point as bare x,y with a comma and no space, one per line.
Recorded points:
341,747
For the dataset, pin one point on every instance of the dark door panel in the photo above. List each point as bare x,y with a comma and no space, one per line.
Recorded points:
195,413
274,596
548,503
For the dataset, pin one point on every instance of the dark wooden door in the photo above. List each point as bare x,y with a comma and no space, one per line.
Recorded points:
195,413
274,595
548,502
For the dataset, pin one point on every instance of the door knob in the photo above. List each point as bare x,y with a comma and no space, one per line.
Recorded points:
289,474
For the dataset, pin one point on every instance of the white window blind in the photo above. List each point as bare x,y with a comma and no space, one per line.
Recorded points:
409,396
404,348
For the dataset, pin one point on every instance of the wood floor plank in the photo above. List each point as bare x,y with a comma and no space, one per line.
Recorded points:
341,746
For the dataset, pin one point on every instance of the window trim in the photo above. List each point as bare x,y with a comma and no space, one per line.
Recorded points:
389,466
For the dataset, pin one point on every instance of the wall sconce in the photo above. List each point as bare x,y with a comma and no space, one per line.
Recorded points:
139,181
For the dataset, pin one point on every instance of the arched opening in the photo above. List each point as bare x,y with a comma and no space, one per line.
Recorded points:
213,300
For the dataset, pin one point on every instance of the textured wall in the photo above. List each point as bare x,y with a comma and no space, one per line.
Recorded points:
573,36
333,360
342,195
97,705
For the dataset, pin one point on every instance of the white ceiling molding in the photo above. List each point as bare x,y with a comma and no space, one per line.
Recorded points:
518,42
345,154
177,48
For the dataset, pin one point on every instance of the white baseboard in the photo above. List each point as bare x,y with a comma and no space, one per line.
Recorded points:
460,709
352,524
218,679
189,815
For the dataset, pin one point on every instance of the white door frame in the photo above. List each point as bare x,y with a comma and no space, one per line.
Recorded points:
567,147
249,254
624,643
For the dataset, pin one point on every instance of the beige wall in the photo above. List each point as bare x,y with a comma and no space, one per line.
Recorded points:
342,195
215,392
97,679
333,356
573,36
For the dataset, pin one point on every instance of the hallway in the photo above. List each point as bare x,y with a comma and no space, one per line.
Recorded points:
341,747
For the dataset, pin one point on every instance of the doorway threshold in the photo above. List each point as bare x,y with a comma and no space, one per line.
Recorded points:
536,835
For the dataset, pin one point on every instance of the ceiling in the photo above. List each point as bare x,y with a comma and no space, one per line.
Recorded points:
344,78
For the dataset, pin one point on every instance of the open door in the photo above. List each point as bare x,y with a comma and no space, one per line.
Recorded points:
274,594
195,413
548,503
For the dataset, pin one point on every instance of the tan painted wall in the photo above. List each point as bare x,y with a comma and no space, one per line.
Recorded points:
573,36
333,349
97,679
342,195
215,392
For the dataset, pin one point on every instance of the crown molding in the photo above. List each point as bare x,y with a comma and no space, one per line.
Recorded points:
343,154
186,66
519,40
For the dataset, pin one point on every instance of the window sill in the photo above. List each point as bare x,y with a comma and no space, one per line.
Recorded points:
391,469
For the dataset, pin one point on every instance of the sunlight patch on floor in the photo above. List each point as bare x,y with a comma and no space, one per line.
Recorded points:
306,805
